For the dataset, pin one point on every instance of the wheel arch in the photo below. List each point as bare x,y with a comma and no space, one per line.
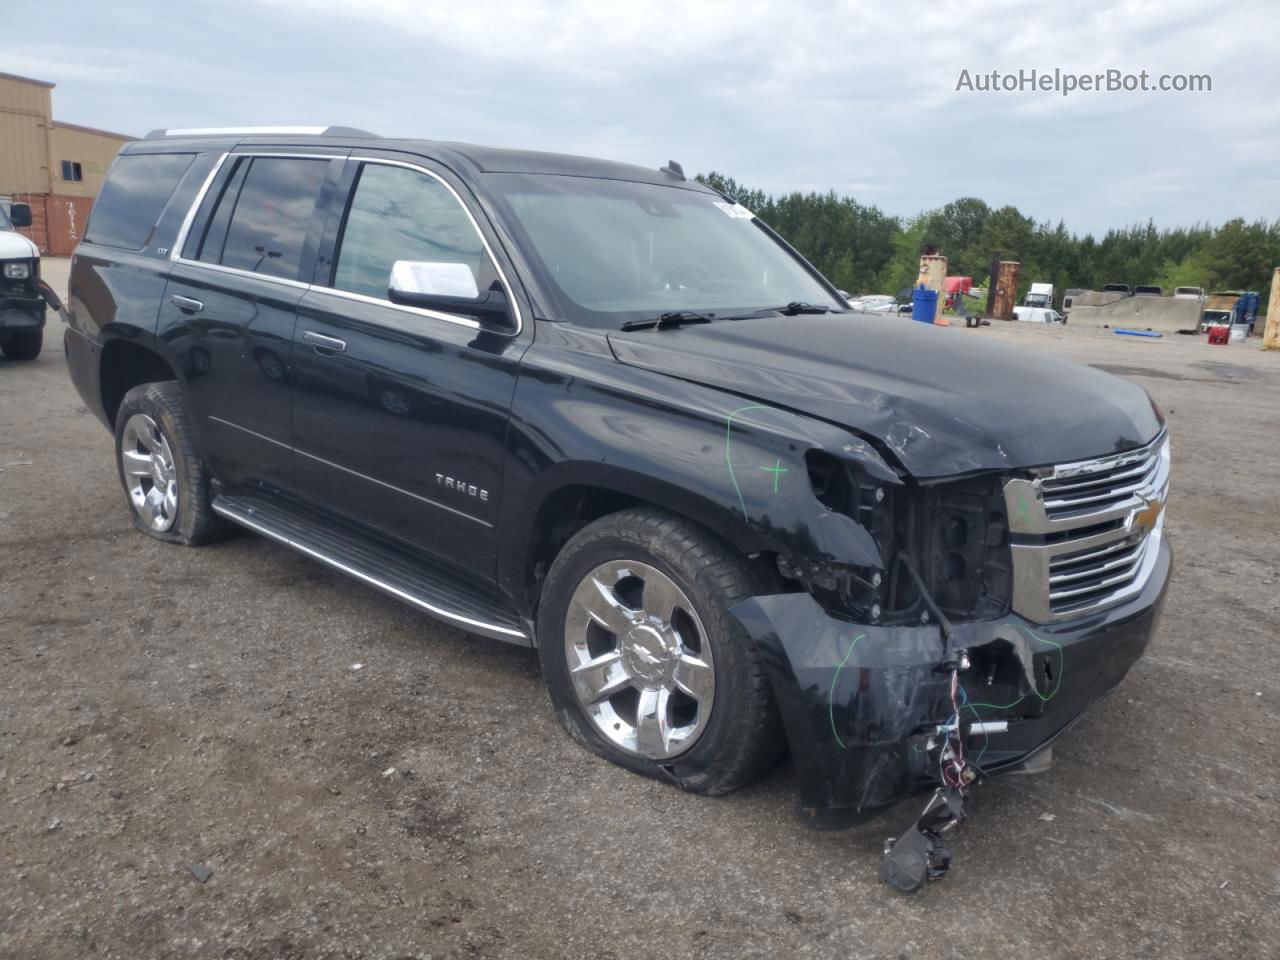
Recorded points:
126,364
573,495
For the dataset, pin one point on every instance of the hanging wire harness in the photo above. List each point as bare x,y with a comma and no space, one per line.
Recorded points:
921,853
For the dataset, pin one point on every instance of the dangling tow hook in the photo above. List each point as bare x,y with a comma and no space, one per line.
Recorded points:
920,854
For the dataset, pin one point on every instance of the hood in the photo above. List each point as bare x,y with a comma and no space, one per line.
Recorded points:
943,400
14,246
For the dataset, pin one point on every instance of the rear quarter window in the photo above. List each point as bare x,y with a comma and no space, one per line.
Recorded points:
131,200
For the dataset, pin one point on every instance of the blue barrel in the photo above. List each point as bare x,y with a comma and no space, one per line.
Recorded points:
924,304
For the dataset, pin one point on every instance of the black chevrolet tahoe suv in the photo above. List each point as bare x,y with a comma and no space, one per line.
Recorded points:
606,412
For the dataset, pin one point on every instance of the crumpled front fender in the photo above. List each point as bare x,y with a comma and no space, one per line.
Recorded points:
763,443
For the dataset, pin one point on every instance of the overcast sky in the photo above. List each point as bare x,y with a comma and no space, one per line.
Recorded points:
856,97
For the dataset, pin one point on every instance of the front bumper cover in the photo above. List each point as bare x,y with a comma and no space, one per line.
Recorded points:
861,703
20,314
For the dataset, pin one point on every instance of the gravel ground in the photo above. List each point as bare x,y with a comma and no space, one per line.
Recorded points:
193,765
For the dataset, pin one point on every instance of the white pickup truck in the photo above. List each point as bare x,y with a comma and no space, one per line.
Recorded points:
1037,315
22,306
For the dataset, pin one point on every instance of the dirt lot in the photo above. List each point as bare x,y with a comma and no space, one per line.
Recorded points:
162,708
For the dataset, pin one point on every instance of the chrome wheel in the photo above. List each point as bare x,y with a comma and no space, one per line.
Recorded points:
639,659
149,472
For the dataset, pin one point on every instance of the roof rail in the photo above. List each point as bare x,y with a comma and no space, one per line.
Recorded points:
255,131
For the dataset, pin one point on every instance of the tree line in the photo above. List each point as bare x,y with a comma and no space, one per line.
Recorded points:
863,250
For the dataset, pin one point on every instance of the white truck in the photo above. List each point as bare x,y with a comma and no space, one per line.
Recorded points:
1040,295
22,300
1037,315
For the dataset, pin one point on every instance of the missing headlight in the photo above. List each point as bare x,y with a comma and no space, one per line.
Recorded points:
958,534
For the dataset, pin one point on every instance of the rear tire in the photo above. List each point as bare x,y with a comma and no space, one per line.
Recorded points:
607,686
166,483
24,346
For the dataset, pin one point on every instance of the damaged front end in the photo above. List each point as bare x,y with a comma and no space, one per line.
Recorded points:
1002,607
863,703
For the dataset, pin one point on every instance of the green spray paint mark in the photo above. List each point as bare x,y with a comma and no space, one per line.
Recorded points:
777,470
1023,509
831,695
728,450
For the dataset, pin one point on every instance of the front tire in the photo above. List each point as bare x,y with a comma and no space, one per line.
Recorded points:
165,481
643,663
24,346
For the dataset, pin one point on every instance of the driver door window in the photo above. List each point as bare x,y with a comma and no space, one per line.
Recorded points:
402,214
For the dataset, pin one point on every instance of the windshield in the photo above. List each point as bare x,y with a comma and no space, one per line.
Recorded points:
5,222
613,251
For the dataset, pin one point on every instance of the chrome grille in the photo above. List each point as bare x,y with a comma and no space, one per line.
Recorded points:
1087,534
1066,494
1078,581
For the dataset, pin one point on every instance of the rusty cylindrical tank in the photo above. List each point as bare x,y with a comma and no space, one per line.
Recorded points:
1004,283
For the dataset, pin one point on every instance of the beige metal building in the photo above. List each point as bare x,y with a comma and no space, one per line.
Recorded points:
58,168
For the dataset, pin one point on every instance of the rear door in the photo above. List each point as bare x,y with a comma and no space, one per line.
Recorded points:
229,309
400,414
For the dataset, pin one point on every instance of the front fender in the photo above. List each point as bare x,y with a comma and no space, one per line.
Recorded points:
580,418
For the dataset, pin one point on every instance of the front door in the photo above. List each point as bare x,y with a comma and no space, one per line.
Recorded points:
400,414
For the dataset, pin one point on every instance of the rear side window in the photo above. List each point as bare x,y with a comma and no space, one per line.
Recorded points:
134,195
402,214
262,218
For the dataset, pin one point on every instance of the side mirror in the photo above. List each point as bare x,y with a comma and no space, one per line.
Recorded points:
20,214
449,288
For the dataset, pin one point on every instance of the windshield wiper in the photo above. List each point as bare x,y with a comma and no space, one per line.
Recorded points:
790,310
799,306
672,319
678,317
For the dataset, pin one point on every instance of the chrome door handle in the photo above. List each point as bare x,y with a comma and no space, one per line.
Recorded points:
321,342
186,304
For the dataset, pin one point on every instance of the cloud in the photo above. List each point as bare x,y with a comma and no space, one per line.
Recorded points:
64,64
811,95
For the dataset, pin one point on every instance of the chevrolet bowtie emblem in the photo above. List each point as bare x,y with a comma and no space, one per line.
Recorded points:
1147,517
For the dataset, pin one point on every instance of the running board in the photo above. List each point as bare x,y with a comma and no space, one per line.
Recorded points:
440,591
